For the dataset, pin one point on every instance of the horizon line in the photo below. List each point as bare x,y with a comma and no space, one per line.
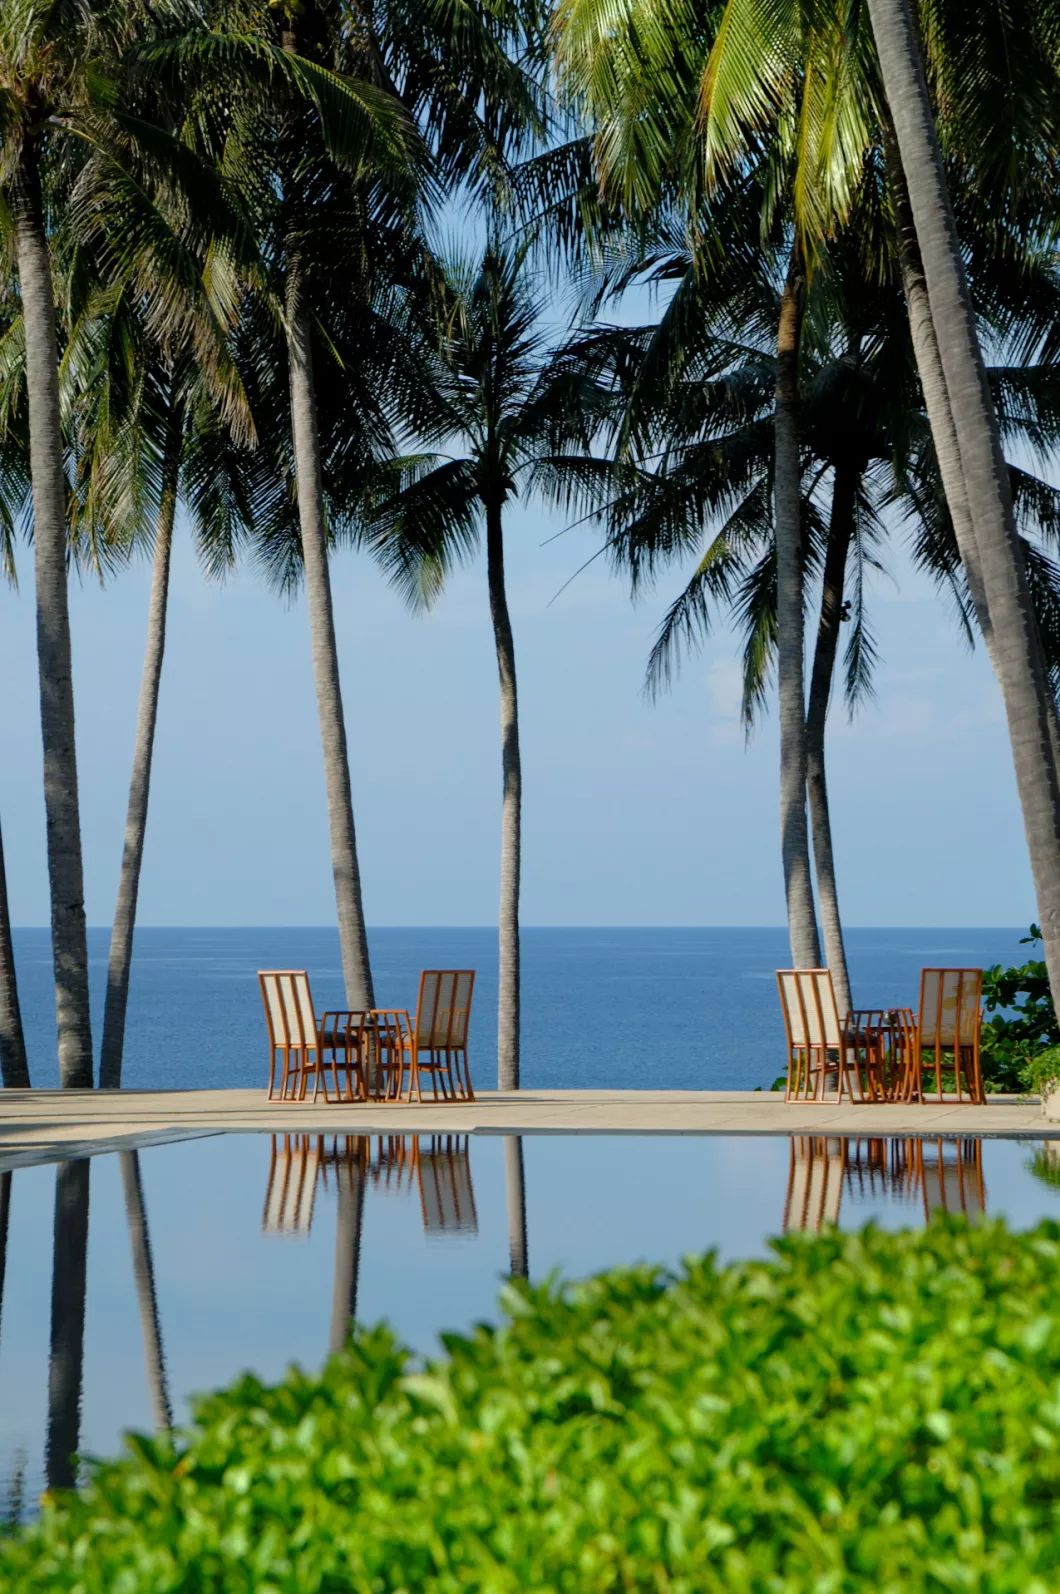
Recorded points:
280,925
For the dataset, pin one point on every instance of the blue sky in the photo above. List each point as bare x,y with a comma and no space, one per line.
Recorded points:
634,813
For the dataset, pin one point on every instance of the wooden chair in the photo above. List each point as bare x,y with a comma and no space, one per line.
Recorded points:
434,1043
817,1038
816,1168
292,1185
948,1025
447,1198
304,1042
951,1176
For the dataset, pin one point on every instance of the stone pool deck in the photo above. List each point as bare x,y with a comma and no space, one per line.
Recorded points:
46,1125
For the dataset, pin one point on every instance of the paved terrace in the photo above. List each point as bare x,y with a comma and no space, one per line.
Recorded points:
45,1125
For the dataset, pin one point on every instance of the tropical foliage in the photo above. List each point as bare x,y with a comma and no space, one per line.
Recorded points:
1021,1019
223,291
859,1409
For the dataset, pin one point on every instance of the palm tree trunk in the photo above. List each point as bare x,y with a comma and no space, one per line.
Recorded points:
1016,651
14,1067
146,1297
511,811
937,401
305,439
62,810
840,531
66,1359
929,366
787,486
119,965
349,1226
515,1189
353,938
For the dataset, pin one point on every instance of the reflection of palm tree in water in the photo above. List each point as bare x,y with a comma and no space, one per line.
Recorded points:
146,1297
945,1175
349,1224
66,1361
515,1187
5,1211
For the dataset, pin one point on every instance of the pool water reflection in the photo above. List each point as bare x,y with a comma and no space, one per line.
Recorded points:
129,1283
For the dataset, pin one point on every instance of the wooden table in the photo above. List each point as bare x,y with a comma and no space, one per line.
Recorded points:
369,1051
887,1038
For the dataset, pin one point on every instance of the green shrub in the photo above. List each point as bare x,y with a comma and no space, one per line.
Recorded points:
1021,1019
1040,1074
862,1411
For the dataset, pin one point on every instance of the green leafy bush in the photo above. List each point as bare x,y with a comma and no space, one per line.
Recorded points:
1040,1074
862,1411
1021,1020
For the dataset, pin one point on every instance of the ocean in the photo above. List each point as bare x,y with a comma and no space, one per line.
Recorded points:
674,1009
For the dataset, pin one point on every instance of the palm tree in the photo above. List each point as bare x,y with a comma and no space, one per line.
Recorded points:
705,399
495,408
141,423
119,964
36,43
746,92
695,98
643,89
1017,652
327,147
155,425
77,145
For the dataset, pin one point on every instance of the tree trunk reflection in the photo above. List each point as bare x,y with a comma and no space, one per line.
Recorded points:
515,1184
70,1256
5,1213
146,1297
348,1225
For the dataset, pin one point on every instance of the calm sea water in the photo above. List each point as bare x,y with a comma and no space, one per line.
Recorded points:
663,1009
259,1250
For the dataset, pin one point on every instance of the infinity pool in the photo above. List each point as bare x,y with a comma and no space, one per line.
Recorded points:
204,1258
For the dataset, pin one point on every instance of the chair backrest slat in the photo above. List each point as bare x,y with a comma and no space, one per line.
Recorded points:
808,1000
443,1007
949,1007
